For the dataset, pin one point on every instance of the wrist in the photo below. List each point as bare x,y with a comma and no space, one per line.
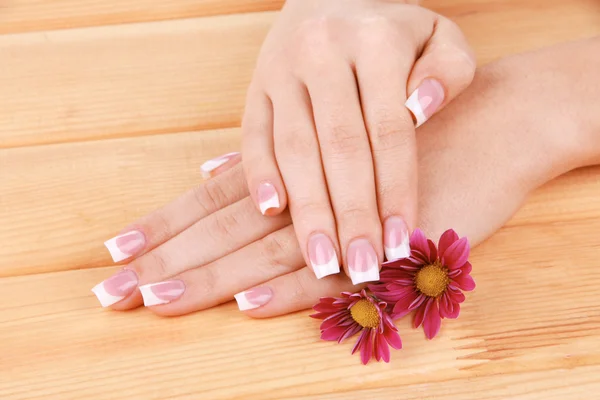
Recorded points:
558,88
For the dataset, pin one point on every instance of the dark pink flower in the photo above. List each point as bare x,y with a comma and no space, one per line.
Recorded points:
429,282
359,312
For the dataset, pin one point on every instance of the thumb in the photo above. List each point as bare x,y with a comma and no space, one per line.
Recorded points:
445,68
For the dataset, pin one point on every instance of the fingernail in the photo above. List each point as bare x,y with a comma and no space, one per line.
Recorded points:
267,197
162,292
425,100
362,262
322,255
125,245
396,239
116,288
253,298
210,165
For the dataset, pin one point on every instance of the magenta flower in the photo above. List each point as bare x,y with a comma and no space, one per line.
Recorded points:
355,312
429,282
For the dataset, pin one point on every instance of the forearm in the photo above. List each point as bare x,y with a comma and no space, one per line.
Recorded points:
560,89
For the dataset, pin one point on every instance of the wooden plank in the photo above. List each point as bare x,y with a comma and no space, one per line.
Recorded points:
533,315
56,214
182,75
33,15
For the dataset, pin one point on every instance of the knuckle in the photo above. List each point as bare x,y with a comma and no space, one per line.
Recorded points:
225,225
313,44
354,214
343,140
391,133
210,196
377,30
298,292
274,248
155,262
295,141
306,210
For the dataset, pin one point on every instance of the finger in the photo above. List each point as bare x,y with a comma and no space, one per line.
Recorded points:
294,291
218,165
445,68
209,239
299,159
260,166
200,288
346,157
171,219
382,72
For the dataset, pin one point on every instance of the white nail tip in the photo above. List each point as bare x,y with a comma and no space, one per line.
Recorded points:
106,299
149,297
414,106
215,163
398,252
116,254
243,303
370,275
273,202
323,270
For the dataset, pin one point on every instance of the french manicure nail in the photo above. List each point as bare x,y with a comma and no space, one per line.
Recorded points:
210,165
116,288
425,100
126,245
396,240
267,197
362,262
322,255
162,292
253,298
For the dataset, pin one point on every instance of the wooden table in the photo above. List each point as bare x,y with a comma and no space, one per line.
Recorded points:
107,108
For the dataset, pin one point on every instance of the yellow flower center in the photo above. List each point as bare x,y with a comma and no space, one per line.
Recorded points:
365,314
432,280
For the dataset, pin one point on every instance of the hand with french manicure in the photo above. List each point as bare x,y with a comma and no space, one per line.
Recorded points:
476,167
329,126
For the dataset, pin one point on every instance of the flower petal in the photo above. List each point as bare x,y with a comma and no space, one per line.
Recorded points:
351,331
446,241
467,268
402,306
433,253
465,282
432,322
455,295
420,314
359,342
448,308
418,243
392,336
344,319
333,333
326,307
382,350
366,350
457,254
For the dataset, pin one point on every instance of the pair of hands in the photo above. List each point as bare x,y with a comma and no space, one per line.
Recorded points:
328,132
476,167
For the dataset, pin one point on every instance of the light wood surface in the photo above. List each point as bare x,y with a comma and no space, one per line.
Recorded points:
107,108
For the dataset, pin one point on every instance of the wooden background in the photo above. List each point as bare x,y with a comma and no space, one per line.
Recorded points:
107,109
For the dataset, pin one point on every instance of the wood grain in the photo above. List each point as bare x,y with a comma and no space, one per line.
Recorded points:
33,15
107,109
183,75
532,314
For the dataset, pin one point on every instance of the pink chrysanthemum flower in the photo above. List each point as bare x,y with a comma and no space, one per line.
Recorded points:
355,312
430,281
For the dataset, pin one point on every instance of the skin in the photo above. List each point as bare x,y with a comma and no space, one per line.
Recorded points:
476,168
325,121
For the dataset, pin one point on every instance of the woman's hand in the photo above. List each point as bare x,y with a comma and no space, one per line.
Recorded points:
326,130
525,120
